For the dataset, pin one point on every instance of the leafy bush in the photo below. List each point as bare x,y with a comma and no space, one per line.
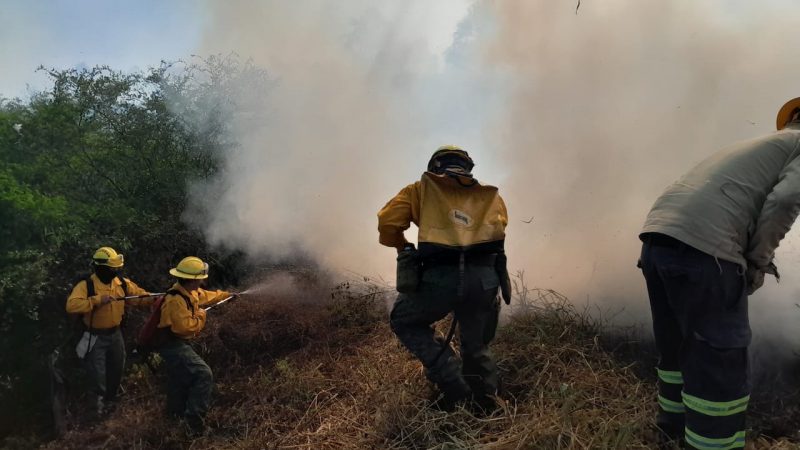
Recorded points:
101,158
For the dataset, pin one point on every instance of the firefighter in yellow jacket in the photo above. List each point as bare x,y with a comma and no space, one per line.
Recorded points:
458,267
99,299
182,318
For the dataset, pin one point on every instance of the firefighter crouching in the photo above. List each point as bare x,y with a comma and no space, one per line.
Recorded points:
459,266
99,299
707,243
189,379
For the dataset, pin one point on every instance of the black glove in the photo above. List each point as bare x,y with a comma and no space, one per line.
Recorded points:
501,266
755,279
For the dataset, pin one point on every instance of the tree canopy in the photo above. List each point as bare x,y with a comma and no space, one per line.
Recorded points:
103,157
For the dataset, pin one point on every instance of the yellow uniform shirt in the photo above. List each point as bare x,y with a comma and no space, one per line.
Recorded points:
182,321
105,316
449,212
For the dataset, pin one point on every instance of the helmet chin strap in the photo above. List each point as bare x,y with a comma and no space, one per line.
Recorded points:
459,175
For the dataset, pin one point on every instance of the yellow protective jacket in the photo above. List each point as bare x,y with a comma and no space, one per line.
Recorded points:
106,316
183,322
451,212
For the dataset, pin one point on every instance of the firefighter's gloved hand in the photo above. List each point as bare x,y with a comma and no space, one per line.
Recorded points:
501,266
755,279
106,299
505,289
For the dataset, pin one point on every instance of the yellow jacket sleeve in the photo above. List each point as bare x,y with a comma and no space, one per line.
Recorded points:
210,297
397,215
77,302
134,289
182,321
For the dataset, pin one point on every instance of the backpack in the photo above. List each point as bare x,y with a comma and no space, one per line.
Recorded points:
90,292
150,336
90,286
76,319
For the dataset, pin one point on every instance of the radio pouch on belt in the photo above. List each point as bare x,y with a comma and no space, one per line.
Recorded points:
408,270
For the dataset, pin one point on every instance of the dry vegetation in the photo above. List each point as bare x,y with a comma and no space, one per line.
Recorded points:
322,370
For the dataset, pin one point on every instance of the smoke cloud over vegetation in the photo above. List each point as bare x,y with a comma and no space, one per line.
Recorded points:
581,119
270,153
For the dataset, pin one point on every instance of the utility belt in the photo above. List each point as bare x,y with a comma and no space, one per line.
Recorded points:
102,331
663,240
166,338
410,266
454,259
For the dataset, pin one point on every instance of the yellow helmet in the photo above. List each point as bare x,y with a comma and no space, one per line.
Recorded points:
107,256
786,113
190,267
449,154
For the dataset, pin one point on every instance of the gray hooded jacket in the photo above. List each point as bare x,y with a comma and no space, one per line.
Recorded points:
739,203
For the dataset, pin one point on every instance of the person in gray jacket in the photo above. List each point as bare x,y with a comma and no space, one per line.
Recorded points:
708,241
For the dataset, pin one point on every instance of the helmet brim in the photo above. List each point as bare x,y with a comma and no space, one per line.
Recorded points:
177,273
113,263
785,113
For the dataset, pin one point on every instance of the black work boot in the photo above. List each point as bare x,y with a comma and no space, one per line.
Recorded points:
483,405
450,395
669,433
195,426
100,407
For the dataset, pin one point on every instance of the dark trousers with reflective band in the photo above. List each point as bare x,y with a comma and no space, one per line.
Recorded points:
105,363
701,327
477,314
189,381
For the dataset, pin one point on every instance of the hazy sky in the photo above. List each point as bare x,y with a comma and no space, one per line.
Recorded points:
72,33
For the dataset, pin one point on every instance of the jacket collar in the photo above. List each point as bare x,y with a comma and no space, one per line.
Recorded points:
177,286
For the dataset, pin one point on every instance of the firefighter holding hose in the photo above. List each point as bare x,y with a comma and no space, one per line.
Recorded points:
458,268
189,379
100,299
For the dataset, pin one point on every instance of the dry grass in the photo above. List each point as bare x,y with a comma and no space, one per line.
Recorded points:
323,370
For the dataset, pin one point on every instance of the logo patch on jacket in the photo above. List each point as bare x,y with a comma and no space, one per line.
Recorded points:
460,218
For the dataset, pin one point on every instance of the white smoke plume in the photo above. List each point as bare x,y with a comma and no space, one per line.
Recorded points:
580,119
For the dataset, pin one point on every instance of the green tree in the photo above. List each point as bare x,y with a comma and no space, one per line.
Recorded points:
101,158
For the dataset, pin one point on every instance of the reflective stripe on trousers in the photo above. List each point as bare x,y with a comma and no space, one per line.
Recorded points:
701,328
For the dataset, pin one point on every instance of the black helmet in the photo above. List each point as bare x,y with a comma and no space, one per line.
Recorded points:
450,156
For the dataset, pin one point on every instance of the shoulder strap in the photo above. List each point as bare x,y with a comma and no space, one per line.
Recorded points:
89,286
124,285
185,298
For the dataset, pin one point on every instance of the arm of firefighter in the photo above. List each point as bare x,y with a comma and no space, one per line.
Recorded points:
777,216
134,289
77,302
503,212
396,216
502,259
182,321
208,298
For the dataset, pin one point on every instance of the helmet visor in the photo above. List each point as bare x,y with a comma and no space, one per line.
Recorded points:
115,262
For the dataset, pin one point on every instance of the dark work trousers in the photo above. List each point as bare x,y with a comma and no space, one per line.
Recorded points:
699,307
189,382
476,312
105,363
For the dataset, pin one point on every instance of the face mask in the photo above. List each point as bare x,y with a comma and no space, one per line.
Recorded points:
105,273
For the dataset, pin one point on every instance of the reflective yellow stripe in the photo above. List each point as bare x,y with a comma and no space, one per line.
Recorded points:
704,443
716,409
670,376
670,406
